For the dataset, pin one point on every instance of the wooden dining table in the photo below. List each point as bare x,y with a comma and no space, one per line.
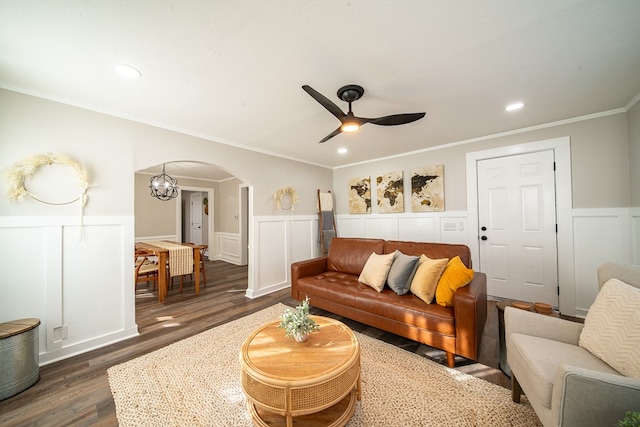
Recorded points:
163,255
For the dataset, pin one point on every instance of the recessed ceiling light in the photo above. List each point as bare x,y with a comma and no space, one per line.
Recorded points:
515,106
342,150
127,70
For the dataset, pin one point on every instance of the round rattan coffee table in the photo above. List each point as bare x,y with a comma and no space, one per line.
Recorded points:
317,381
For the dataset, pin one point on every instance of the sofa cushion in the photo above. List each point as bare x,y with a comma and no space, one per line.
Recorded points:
401,273
331,285
541,357
427,276
455,276
612,327
349,255
407,309
376,270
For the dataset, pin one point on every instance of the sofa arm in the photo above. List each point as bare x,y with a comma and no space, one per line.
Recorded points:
539,325
470,311
584,397
309,267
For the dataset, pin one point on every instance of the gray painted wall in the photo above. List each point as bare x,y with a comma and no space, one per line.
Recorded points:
599,164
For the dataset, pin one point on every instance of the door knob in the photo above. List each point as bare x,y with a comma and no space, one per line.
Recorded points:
484,237
484,229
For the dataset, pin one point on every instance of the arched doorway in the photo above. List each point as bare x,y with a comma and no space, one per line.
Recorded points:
227,209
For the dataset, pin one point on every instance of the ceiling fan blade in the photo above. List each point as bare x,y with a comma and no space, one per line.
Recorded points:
331,135
324,101
396,119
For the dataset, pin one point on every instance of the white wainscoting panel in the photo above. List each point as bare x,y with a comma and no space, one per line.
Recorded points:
23,287
87,291
279,240
599,236
417,227
227,247
304,240
350,225
79,283
453,229
381,227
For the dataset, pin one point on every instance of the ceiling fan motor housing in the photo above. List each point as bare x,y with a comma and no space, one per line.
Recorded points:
350,93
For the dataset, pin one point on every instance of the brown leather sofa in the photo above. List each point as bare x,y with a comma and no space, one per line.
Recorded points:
331,283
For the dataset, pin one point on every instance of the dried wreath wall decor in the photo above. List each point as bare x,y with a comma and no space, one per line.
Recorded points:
286,198
17,174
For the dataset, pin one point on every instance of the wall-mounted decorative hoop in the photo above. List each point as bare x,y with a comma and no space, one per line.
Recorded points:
18,173
286,198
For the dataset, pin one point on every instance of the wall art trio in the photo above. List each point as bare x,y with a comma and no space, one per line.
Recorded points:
427,191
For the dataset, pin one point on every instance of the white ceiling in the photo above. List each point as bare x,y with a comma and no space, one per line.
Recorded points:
232,71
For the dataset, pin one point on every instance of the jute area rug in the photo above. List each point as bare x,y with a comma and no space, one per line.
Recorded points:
196,382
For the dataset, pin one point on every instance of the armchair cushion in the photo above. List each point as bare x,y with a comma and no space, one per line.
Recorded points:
541,357
612,327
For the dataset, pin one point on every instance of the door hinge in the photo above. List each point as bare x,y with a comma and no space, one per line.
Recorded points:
558,290
556,228
554,166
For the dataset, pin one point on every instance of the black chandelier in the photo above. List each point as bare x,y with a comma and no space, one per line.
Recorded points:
164,187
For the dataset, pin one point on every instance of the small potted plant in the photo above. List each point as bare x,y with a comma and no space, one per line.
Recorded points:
297,324
631,419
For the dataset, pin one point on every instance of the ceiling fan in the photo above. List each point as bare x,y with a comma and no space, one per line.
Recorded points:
351,123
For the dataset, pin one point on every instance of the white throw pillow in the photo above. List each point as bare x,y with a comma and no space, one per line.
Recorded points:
612,327
376,269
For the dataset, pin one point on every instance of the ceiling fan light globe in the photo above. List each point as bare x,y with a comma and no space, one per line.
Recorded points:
350,127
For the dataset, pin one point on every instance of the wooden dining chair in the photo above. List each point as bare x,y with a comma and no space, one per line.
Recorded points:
145,269
203,250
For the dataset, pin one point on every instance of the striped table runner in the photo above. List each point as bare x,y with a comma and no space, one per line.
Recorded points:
180,257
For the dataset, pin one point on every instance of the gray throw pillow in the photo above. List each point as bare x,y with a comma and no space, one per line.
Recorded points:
401,272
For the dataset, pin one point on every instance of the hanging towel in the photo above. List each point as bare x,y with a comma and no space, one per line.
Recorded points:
328,235
327,220
326,202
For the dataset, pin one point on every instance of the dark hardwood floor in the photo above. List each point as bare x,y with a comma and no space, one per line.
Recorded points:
75,391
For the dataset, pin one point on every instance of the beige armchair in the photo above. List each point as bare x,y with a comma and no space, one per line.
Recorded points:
566,384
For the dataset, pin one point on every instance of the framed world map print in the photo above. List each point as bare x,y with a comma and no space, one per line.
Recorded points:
360,195
427,189
390,192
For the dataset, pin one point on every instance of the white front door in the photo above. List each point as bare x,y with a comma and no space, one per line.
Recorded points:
196,218
517,226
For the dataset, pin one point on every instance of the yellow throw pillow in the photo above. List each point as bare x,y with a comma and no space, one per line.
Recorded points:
376,269
455,276
426,278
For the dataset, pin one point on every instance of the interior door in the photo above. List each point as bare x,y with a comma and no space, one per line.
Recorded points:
196,218
517,220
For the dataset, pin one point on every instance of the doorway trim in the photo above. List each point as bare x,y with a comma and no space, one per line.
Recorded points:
562,154
210,218
244,197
